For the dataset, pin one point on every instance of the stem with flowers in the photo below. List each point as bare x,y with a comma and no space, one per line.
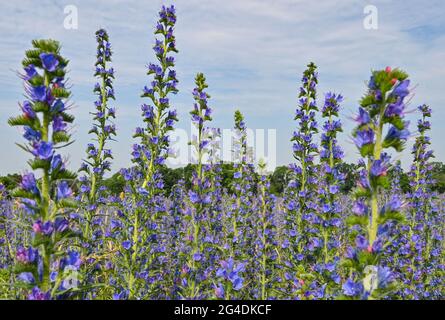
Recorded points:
44,121
382,110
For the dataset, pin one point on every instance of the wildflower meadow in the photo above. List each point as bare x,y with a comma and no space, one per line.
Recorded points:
218,230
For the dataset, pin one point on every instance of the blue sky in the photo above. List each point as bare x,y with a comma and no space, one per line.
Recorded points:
253,53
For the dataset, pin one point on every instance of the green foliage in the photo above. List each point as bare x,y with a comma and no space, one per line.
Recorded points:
11,181
115,184
438,173
278,179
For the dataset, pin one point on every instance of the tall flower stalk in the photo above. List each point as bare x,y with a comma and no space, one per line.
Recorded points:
301,239
143,246
199,195
158,117
44,120
97,162
330,210
381,126
422,241
265,255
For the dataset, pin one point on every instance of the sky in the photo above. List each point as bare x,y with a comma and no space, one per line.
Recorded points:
252,52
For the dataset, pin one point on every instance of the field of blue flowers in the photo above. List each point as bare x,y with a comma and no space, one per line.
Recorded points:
63,235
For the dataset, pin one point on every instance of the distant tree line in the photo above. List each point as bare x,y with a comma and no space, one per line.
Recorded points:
279,178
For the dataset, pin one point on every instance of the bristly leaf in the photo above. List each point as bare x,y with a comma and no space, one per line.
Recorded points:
60,137
61,93
38,164
21,120
47,45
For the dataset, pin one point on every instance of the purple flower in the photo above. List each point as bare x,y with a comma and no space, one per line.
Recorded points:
194,197
363,117
219,291
73,260
26,277
126,245
395,109
58,106
402,89
314,243
359,208
63,191
351,288
61,224
43,228
40,93
361,242
43,150
396,134
29,183
393,206
26,256
37,294
197,256
56,162
58,124
31,134
385,276
30,71
49,61
379,168
237,284
28,111
364,137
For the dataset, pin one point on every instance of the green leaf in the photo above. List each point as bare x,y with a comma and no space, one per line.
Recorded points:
20,121
39,164
67,203
61,93
60,137
47,45
67,117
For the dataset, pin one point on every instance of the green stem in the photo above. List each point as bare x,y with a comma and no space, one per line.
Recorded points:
374,198
46,254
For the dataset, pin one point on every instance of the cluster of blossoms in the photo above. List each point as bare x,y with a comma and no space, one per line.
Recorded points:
382,108
265,229
97,162
142,243
240,215
98,156
199,196
329,207
302,234
92,194
48,200
420,240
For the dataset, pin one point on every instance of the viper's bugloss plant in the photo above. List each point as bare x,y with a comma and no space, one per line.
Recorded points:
421,251
240,216
143,245
48,199
302,238
158,116
103,129
380,126
330,210
92,191
199,195
266,237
